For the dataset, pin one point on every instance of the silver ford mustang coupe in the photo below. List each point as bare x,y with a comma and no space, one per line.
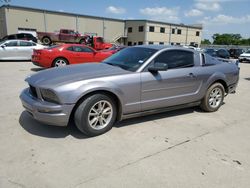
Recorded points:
136,81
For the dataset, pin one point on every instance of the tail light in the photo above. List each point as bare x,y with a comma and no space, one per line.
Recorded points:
37,52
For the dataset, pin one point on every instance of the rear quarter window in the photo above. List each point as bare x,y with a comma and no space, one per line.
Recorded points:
209,60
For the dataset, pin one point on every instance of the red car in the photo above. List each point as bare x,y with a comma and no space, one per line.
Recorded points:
66,54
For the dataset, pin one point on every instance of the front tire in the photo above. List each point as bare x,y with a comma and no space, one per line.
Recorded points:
95,115
214,98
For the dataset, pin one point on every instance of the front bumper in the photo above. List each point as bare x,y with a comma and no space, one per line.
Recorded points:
46,112
232,88
244,58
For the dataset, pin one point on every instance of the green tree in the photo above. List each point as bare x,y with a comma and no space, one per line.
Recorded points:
227,39
205,41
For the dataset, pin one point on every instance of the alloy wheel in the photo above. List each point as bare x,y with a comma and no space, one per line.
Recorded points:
100,115
215,97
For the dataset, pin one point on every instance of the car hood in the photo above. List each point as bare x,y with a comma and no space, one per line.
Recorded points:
59,76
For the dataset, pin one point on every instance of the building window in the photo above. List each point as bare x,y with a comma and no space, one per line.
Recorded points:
197,33
162,29
173,31
179,31
129,43
161,43
140,43
151,29
178,44
150,42
141,28
172,43
130,29
134,43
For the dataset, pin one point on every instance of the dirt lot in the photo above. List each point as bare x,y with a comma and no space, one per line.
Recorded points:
183,148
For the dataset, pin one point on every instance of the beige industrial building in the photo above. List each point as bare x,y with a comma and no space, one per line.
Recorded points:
15,19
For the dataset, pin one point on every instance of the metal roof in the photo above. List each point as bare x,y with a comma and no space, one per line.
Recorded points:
58,12
96,17
172,24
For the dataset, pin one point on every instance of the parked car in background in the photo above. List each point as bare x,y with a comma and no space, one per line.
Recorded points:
135,81
71,36
210,51
245,56
221,53
235,52
64,35
18,49
66,54
20,36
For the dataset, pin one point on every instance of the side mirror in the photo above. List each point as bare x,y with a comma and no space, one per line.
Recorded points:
158,66
3,46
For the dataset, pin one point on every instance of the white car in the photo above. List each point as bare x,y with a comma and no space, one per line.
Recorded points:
245,56
18,49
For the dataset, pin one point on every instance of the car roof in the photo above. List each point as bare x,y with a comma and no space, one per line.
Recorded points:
161,47
16,40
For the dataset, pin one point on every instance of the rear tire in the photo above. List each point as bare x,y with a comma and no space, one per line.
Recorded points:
95,115
46,41
214,98
60,62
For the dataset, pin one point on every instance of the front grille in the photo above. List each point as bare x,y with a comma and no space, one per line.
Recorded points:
33,91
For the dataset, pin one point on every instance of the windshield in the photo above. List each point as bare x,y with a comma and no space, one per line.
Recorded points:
248,52
130,58
54,46
2,42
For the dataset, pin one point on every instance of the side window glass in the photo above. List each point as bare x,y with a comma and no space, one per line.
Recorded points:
87,50
24,43
11,44
77,49
70,48
176,59
82,49
20,36
10,37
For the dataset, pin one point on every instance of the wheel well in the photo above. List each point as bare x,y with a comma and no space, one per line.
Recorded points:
108,93
223,83
46,37
81,39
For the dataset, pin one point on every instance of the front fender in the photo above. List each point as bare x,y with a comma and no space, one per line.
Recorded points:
72,93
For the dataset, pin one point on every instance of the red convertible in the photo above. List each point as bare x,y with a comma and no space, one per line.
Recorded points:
66,54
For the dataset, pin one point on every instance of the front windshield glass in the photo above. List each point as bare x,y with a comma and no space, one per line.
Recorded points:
248,52
54,46
130,58
2,42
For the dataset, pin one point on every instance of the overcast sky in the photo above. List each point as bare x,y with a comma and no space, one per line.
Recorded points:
217,16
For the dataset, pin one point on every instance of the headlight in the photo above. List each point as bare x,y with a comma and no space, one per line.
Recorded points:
49,95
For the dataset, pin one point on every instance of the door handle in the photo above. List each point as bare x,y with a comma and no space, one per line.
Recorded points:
192,75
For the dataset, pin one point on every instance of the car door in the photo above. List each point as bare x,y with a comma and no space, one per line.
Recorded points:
83,54
67,36
179,84
26,49
9,50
